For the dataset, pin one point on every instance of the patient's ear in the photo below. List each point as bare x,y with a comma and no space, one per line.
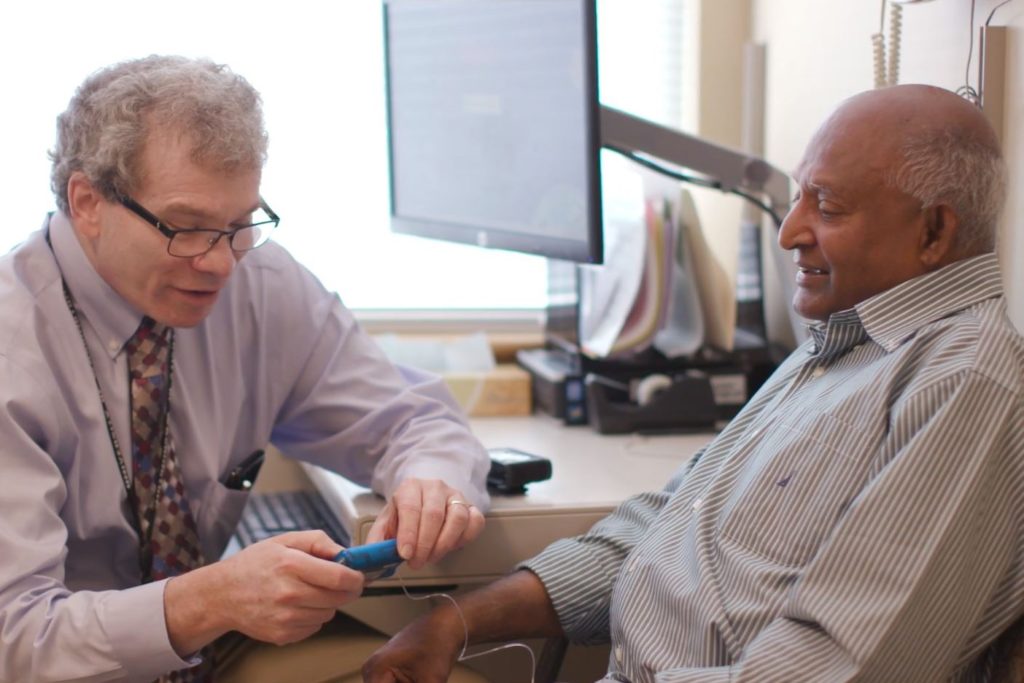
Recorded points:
85,205
938,236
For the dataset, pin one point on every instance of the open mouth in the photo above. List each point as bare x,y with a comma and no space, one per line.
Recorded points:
807,276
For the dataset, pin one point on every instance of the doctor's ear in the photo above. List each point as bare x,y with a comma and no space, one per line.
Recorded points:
85,205
938,237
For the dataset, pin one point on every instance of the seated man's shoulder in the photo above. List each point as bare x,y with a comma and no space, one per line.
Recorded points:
981,339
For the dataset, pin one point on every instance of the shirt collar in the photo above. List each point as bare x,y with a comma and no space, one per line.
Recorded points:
843,331
112,318
895,315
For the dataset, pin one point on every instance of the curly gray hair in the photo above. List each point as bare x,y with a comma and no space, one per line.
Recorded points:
107,122
954,167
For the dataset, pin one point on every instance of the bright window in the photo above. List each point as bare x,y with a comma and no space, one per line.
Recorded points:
319,68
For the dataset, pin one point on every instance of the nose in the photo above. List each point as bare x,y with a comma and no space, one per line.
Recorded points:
219,261
795,231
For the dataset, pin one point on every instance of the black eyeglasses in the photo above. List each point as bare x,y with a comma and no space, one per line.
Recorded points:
192,242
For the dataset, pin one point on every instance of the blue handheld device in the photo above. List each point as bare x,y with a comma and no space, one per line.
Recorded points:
376,560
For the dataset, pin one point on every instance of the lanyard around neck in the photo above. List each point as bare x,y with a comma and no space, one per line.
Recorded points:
122,465
145,557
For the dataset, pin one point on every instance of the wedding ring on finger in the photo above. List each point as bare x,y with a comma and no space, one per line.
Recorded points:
456,501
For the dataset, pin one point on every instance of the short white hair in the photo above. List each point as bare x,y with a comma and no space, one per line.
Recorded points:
952,166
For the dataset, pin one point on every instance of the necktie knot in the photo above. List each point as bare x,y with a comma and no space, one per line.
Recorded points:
148,349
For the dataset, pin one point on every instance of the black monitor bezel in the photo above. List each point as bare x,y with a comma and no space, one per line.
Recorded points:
588,249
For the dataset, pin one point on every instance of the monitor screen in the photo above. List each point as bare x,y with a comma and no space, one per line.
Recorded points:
493,123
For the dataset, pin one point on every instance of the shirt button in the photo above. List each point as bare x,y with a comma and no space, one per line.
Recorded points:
818,371
618,654
697,503
113,345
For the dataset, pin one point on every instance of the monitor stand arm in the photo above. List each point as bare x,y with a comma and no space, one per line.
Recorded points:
723,168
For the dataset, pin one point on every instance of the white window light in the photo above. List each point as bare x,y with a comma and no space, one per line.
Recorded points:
319,67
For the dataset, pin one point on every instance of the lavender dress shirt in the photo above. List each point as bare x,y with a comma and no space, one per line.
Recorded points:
279,360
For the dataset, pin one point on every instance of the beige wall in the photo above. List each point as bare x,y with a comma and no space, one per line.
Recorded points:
715,32
819,52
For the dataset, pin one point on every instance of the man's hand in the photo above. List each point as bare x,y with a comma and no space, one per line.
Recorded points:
429,519
422,652
279,591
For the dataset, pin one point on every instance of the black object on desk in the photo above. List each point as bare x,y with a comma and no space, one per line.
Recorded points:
512,469
686,404
710,387
556,386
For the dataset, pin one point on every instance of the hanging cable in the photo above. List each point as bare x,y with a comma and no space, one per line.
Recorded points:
465,630
993,12
700,182
886,60
895,34
878,51
966,91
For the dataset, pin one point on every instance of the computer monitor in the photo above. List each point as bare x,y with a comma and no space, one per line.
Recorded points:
493,120
496,131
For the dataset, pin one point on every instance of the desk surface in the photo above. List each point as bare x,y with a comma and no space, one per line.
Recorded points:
591,475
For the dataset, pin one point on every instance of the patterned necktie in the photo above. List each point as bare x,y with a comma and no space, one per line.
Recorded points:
170,544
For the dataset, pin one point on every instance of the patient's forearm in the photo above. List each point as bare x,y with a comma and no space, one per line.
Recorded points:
516,606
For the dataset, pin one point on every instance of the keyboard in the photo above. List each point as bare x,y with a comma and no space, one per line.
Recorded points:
269,514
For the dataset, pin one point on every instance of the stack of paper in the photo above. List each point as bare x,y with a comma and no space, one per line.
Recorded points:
647,314
652,291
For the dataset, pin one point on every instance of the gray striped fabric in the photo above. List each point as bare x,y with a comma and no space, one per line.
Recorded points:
861,519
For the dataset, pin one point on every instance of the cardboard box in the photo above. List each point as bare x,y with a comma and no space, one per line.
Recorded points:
501,392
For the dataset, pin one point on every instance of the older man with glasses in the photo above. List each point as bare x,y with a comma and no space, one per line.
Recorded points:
147,350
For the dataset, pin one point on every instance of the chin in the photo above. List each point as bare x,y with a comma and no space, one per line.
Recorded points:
183,311
810,311
186,323
183,319
191,320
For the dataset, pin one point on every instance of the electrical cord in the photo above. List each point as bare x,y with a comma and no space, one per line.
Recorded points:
655,166
975,96
465,630
878,51
993,12
700,182
965,90
895,34
887,71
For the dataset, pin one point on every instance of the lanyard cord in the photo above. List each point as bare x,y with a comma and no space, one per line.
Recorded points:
145,556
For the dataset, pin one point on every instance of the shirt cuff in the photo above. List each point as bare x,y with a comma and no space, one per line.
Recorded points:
138,631
453,474
579,584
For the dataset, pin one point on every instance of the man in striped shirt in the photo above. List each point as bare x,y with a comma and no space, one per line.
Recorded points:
863,517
